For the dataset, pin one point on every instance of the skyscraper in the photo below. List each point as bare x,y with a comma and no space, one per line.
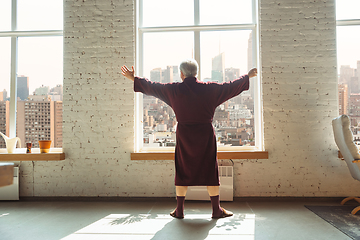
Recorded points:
171,74
218,68
2,122
156,75
43,90
343,99
57,93
231,74
22,87
168,75
39,120
4,95
346,72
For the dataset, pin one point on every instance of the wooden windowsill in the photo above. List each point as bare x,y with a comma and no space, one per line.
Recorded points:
221,155
20,155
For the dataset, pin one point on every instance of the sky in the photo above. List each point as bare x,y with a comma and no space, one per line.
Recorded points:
40,58
164,49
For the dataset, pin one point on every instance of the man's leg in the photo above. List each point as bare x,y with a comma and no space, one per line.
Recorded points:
181,190
218,211
180,198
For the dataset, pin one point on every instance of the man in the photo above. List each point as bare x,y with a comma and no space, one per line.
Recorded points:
194,103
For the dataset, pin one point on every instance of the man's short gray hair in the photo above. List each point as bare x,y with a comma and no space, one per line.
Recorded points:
189,67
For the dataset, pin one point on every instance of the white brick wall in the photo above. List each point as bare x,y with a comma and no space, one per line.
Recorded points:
298,58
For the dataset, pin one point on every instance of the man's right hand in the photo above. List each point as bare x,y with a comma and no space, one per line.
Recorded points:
252,73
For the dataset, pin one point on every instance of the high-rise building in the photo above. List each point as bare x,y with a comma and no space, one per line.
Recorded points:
171,74
58,120
346,73
56,93
4,95
3,122
43,90
156,75
22,87
354,84
176,74
218,68
354,109
231,74
39,120
343,98
168,74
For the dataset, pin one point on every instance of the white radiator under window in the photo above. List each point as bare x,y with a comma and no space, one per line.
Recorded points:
226,187
11,192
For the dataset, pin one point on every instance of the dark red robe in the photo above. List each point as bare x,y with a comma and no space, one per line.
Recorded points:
194,103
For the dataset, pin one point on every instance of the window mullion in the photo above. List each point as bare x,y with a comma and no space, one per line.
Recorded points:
196,12
13,87
139,49
197,51
197,35
13,75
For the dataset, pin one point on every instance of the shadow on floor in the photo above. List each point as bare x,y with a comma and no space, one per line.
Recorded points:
186,229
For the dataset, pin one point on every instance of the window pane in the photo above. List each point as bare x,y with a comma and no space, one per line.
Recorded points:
347,9
39,88
40,15
163,52
225,56
5,57
166,13
348,56
5,15
348,50
213,12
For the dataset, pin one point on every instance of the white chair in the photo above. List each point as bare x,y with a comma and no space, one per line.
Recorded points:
348,149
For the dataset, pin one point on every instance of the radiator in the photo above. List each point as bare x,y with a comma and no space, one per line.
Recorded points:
11,192
226,187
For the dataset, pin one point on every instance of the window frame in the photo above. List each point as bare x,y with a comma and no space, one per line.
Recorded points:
197,28
14,34
351,22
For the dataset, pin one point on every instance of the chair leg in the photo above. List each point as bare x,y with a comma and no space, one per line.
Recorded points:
355,210
347,199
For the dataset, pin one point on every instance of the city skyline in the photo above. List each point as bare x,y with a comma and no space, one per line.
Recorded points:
55,93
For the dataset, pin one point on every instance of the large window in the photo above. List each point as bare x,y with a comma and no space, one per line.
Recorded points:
223,40
348,60
31,73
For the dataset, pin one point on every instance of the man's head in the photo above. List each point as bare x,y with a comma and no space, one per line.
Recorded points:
188,68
